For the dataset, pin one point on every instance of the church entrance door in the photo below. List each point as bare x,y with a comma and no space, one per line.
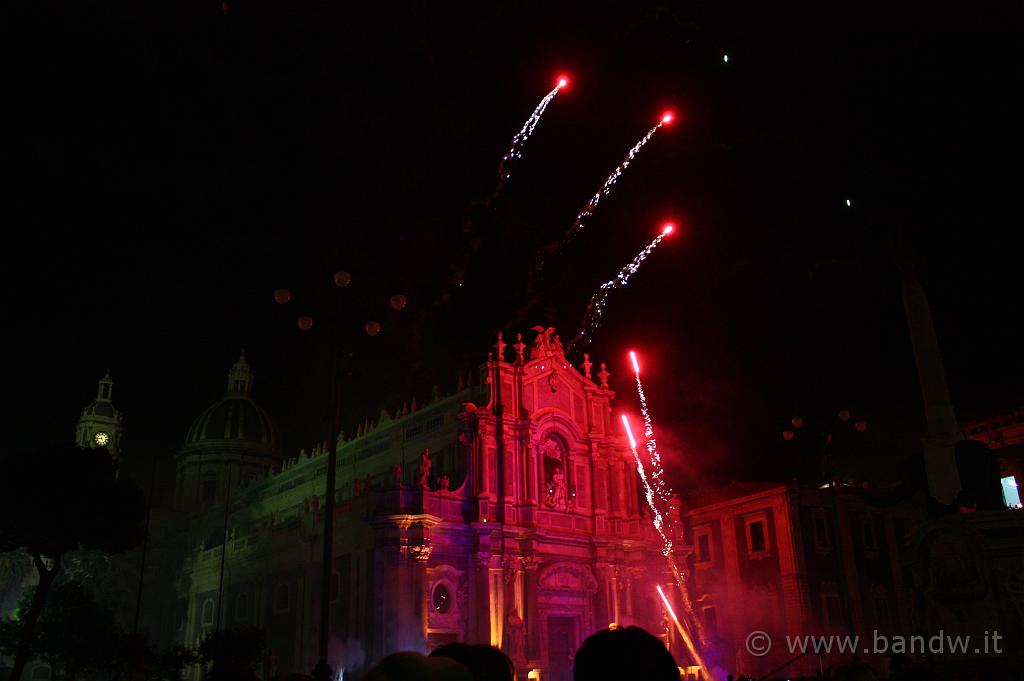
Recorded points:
561,647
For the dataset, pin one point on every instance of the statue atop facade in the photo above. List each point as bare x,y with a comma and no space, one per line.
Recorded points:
543,342
425,465
444,483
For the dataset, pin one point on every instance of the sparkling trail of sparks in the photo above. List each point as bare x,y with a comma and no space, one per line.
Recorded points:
515,150
657,470
683,633
599,301
677,575
588,210
663,498
659,522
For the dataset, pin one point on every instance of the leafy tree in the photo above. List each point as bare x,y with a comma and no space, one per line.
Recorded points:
56,501
76,635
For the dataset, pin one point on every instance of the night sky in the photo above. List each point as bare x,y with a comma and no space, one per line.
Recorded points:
174,163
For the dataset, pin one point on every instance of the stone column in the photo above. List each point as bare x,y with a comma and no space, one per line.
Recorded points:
531,617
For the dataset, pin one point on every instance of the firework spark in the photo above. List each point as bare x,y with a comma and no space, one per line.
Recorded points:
515,150
588,210
662,526
599,301
657,470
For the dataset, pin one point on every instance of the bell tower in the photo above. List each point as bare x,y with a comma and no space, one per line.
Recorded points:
101,424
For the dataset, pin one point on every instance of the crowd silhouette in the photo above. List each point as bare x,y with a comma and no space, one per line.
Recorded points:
621,654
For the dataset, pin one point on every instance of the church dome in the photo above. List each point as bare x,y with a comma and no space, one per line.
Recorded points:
235,422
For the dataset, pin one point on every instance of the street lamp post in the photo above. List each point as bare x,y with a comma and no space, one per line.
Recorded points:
323,671
825,442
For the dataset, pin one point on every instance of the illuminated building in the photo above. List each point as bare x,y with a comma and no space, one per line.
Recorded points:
507,512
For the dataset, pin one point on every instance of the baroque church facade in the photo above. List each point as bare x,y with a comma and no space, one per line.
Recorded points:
508,512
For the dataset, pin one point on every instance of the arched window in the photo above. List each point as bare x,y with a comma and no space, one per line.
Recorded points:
282,598
206,616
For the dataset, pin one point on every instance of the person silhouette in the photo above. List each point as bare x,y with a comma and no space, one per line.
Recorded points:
485,662
624,654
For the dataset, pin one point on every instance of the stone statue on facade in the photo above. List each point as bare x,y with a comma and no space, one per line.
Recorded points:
425,465
514,639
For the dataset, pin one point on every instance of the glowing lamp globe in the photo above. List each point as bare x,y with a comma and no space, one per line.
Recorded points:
788,435
861,426
844,415
342,279
305,323
372,328
398,301
797,422
282,296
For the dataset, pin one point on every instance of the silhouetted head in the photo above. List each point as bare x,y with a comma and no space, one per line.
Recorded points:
625,654
485,662
416,667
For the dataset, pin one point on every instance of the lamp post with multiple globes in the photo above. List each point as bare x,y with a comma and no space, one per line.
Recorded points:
824,438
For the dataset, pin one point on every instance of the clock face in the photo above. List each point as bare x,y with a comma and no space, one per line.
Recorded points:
101,439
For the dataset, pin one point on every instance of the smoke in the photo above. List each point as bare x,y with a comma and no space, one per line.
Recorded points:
347,654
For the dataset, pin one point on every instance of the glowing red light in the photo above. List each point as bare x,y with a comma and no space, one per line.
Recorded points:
667,228
629,431
563,81
667,117
636,364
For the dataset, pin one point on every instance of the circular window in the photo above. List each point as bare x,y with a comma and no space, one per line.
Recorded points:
442,599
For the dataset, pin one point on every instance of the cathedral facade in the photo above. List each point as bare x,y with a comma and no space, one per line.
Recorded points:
508,512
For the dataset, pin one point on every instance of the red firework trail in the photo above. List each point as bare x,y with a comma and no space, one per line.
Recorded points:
515,150
588,210
599,301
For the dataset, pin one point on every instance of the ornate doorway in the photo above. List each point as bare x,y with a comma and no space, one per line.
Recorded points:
562,645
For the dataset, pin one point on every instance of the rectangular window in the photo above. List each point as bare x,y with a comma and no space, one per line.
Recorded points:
1011,493
757,535
711,618
702,540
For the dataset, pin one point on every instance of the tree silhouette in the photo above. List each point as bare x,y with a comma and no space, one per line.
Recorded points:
233,653
58,500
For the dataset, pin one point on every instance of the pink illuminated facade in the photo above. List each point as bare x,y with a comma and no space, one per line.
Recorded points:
508,512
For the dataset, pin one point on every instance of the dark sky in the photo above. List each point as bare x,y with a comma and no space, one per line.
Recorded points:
174,163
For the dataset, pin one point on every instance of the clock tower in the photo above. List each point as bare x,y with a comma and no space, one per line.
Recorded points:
101,424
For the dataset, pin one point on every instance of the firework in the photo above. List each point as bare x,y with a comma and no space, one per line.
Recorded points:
658,519
588,210
515,150
662,526
662,491
599,301
683,633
